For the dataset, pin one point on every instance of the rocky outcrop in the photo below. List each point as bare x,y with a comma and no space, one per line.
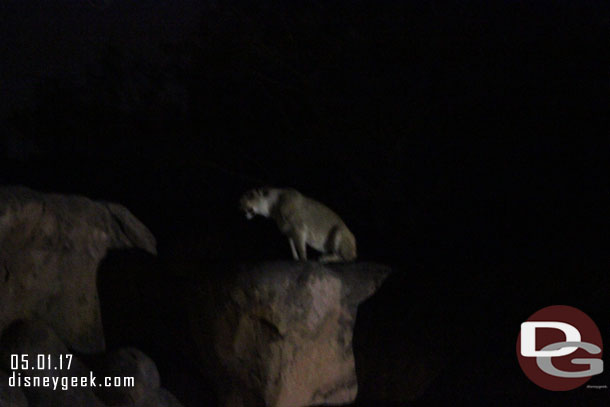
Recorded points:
275,334
50,248
31,338
280,334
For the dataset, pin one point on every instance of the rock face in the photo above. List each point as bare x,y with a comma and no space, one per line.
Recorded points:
280,334
50,248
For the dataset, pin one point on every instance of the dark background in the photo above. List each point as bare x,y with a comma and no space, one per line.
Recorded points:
463,143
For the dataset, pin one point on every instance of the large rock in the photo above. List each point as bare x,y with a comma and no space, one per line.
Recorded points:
50,247
31,339
280,334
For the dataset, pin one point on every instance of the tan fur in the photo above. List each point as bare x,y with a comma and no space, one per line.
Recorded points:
305,221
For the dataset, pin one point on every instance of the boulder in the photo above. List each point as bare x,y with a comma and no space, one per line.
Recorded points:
279,334
50,248
31,339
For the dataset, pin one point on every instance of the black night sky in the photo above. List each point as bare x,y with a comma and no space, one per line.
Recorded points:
465,143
